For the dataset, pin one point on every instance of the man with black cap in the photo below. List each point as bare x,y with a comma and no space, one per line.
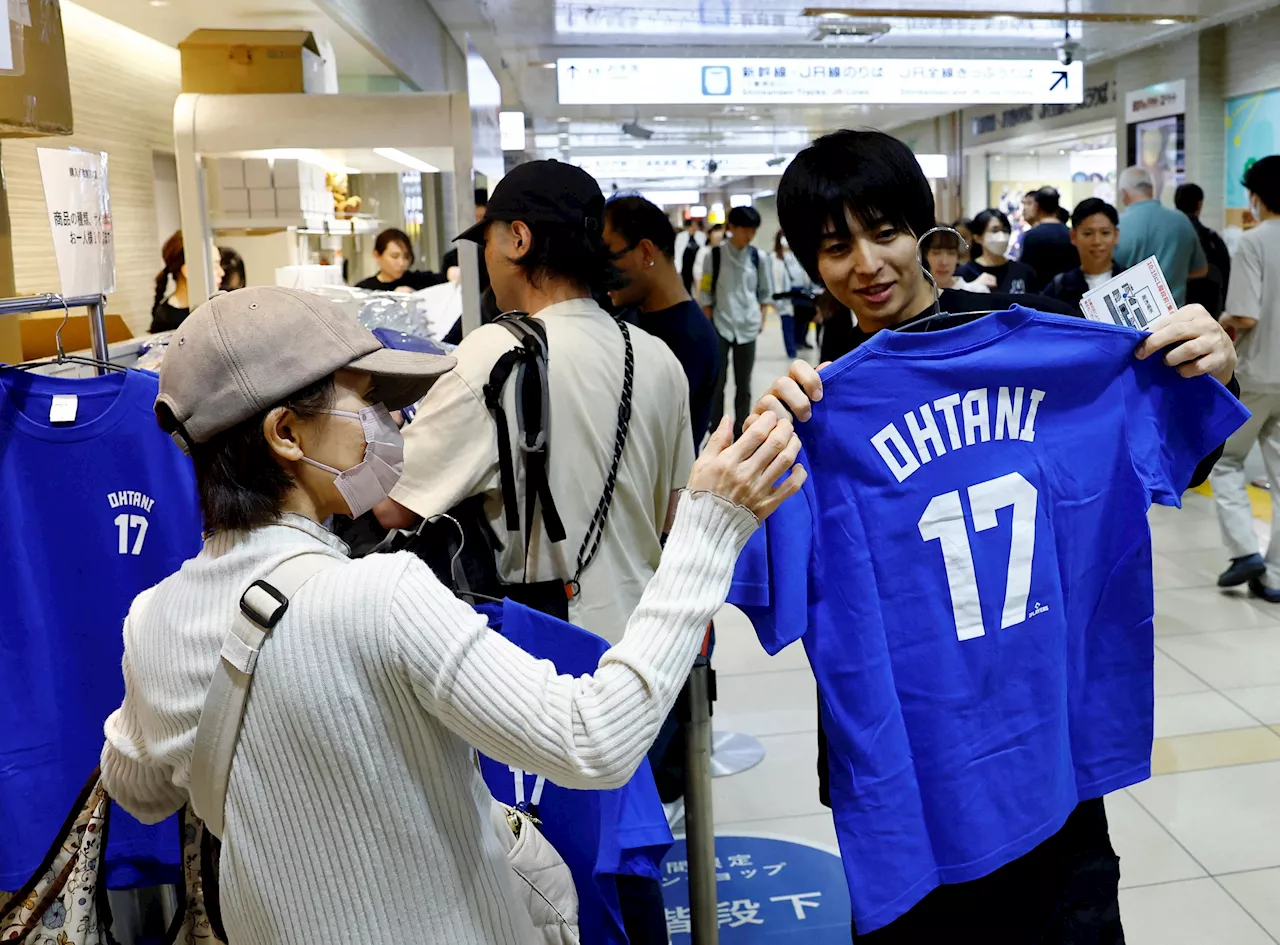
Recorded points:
543,245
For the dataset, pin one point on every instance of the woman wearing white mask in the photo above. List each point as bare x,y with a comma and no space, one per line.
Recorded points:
991,231
352,771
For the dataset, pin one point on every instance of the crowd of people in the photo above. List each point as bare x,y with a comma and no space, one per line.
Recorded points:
631,506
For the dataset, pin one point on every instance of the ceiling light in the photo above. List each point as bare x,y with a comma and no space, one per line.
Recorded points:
563,119
1062,150
659,117
835,15
1163,21
755,117
159,3
408,160
548,65
564,134
1005,18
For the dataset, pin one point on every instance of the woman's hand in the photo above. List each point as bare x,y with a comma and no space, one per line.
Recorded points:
747,472
1206,347
793,394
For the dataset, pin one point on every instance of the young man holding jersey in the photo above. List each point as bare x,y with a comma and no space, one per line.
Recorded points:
853,205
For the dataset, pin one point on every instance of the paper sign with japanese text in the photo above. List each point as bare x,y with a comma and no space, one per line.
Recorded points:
1137,298
76,195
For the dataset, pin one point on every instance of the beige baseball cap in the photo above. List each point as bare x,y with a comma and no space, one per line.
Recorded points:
242,352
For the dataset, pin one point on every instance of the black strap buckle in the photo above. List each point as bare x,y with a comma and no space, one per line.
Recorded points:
265,621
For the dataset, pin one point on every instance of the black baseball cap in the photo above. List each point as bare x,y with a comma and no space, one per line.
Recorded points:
543,192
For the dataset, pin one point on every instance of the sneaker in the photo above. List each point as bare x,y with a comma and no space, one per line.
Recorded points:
1248,568
1258,589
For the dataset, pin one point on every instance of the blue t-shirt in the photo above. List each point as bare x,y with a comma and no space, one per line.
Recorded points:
94,511
600,834
970,568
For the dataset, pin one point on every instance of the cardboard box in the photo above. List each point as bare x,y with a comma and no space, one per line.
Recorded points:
262,203
257,173
236,62
286,172
233,201
288,201
229,173
35,98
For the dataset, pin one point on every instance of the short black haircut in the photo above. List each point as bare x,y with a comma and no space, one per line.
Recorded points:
1188,198
637,219
570,251
481,197
717,226
1263,180
1047,200
868,173
943,240
240,483
747,217
983,220
1092,206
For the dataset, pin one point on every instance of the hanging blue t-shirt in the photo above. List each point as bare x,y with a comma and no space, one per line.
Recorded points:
600,834
970,568
93,511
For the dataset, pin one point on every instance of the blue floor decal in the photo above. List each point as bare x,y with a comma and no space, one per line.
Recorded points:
769,890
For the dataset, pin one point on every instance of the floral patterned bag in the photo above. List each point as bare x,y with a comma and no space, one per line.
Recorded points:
64,903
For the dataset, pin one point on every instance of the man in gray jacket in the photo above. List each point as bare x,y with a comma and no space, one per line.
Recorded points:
736,291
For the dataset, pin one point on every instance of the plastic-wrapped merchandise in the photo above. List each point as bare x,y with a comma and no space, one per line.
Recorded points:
398,311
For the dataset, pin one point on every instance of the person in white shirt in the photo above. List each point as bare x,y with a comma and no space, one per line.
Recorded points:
1252,315
355,811
690,240
543,259
792,288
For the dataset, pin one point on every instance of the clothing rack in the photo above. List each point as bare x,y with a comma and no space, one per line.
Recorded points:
49,302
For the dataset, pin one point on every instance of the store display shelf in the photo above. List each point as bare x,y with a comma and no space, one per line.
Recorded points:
310,224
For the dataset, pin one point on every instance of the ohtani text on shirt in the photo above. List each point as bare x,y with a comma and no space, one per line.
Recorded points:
976,416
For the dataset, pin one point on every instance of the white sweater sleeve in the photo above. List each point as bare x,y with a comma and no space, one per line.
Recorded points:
591,732
136,781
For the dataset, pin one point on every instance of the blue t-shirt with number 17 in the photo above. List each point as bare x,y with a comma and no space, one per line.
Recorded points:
970,569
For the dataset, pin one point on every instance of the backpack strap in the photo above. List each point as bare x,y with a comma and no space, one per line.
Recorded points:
261,608
715,271
533,411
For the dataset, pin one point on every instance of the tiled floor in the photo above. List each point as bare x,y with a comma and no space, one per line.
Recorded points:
1199,843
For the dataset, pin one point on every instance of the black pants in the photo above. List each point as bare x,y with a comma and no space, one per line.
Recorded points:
804,318
1064,892
744,359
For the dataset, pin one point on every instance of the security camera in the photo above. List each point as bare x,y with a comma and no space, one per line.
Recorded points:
1067,49
712,166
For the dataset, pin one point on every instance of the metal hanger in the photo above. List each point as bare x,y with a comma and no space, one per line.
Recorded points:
388,544
938,315
62,357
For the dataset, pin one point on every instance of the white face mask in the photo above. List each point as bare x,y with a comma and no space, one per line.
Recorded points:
996,243
369,481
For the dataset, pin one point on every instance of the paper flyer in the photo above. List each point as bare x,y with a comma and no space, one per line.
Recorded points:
1137,298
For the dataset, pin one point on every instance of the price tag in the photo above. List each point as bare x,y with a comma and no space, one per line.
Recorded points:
63,409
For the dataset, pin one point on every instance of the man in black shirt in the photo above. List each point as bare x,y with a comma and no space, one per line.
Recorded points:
851,205
643,244
1209,290
1047,246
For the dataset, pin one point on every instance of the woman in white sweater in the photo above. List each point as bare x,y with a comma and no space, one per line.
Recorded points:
354,810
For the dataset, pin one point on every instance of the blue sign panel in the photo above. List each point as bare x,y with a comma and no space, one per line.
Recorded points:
769,890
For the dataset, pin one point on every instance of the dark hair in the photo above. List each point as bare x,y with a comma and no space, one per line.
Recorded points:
240,483
1188,198
481,197
1062,215
717,226
572,252
940,240
868,173
232,265
1263,180
392,235
637,219
980,223
746,217
1047,200
174,259
1091,206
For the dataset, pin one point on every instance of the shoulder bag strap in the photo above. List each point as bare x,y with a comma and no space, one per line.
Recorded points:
595,530
261,608
715,271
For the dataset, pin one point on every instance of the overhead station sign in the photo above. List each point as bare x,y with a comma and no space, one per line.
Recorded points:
642,166
867,81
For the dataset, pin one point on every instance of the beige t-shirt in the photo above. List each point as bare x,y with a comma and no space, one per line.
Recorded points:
451,453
